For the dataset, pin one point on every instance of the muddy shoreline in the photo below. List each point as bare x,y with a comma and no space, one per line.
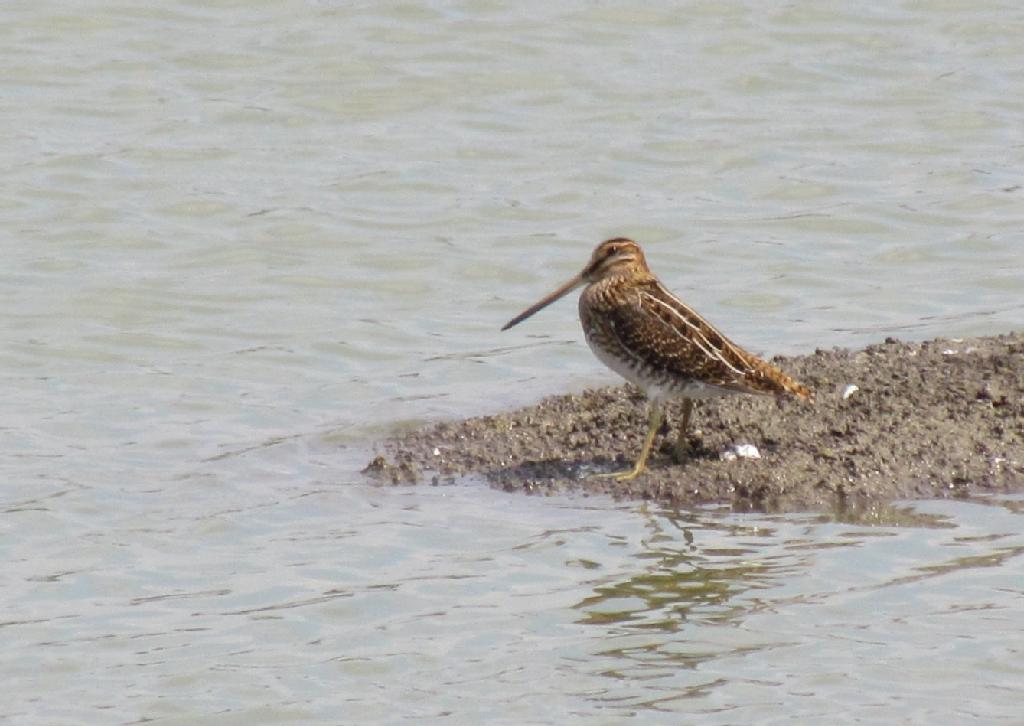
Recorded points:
943,418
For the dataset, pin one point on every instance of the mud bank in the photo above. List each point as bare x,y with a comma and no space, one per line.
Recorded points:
936,419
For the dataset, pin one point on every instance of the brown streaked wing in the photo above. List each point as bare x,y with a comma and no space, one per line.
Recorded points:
659,331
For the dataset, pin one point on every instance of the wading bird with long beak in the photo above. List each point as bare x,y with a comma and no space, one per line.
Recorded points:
655,341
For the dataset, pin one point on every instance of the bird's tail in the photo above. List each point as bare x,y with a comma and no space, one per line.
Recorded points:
766,378
795,388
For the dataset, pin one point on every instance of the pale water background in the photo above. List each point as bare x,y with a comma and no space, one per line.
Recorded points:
243,240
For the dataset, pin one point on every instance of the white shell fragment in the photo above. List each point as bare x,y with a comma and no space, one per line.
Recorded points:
741,451
850,390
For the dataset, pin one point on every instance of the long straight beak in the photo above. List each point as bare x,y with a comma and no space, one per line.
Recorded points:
565,289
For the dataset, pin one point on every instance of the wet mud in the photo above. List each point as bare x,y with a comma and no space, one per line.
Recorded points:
943,418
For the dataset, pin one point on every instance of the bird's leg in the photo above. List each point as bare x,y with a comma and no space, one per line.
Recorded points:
655,417
682,446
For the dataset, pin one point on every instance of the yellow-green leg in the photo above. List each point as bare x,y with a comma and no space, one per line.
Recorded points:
654,420
682,445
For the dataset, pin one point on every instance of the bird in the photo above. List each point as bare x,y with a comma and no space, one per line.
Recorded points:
654,340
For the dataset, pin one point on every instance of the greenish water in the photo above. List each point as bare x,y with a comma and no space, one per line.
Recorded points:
242,242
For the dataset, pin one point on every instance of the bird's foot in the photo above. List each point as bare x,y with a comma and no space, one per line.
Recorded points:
621,475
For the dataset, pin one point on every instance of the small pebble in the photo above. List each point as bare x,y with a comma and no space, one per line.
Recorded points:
741,451
850,390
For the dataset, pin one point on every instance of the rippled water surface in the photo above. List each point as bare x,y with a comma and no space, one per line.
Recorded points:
241,241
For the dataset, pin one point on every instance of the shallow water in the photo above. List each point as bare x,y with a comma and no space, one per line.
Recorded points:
241,241
314,602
